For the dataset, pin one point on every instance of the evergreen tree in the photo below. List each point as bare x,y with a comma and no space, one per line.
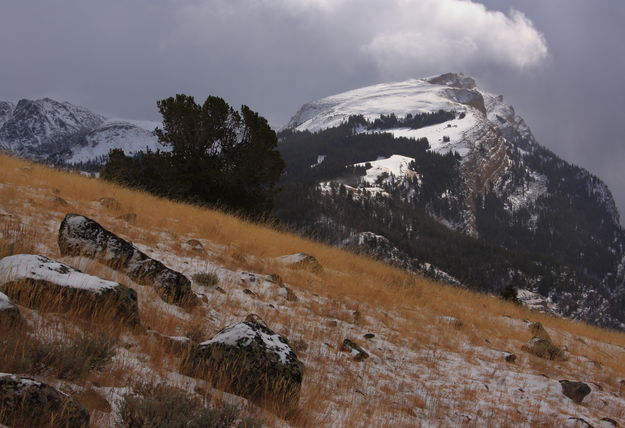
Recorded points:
218,156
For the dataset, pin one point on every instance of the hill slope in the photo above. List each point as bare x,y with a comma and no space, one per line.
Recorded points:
437,355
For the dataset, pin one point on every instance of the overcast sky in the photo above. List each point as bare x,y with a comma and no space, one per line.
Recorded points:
561,63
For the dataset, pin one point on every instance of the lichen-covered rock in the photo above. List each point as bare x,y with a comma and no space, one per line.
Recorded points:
10,316
80,236
26,402
250,360
576,391
40,283
543,348
301,261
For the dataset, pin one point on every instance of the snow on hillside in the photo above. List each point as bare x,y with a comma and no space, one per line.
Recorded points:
116,135
412,96
455,131
395,165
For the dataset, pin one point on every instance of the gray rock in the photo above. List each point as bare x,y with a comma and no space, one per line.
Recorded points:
355,349
576,391
538,330
80,236
510,358
544,349
26,402
195,245
250,360
38,282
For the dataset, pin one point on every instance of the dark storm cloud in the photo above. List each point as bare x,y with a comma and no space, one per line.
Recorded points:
559,61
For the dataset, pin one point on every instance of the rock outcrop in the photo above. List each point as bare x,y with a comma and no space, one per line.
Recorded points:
250,360
26,402
576,391
80,236
40,283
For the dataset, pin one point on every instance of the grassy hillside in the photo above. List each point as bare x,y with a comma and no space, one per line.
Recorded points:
437,351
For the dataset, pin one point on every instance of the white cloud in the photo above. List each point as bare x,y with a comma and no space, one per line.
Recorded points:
454,34
396,37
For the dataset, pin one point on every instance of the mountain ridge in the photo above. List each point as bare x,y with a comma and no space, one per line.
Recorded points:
506,189
63,133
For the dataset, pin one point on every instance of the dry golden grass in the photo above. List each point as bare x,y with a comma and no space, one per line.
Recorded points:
407,306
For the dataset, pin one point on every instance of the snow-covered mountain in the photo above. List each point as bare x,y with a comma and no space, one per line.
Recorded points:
62,133
444,148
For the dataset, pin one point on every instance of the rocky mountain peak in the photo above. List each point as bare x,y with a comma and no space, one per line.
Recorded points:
455,80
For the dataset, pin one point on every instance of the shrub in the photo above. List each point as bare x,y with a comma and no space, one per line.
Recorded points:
207,279
82,354
66,360
166,406
509,293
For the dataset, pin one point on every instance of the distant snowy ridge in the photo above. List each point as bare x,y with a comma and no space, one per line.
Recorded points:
60,132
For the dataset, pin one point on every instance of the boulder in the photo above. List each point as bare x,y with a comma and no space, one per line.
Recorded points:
195,245
543,348
80,236
26,402
576,391
250,360
10,316
301,261
538,330
38,282
355,349
510,358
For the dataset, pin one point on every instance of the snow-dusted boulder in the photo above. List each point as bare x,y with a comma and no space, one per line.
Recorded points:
80,236
301,261
41,283
26,402
250,360
9,313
